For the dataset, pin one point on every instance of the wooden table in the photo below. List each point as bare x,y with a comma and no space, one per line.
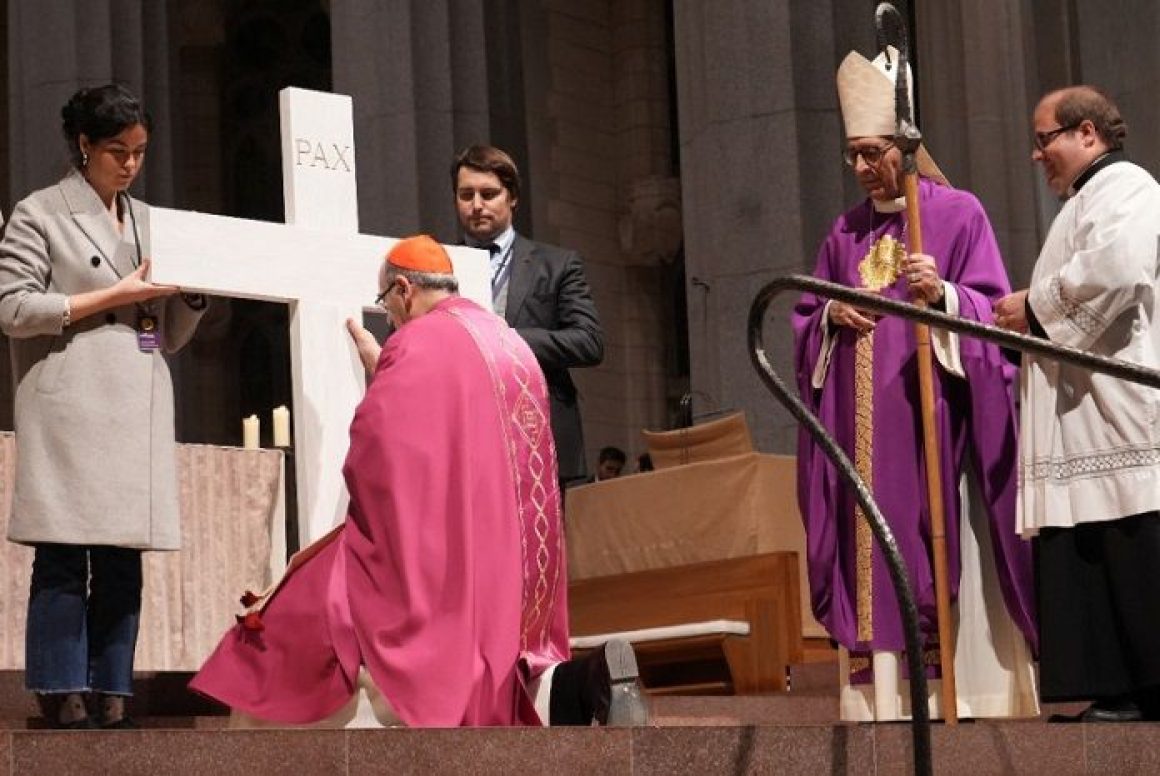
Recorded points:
715,510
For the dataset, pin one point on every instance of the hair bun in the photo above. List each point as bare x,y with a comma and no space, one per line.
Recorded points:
70,113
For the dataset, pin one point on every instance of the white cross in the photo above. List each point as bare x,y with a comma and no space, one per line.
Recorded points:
319,264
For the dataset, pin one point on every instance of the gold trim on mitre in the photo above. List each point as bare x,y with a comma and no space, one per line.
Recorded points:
866,96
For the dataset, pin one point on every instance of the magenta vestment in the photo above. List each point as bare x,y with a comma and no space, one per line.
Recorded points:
447,579
976,423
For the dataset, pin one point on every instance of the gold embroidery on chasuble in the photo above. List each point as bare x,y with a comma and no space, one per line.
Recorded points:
878,269
863,464
531,424
536,491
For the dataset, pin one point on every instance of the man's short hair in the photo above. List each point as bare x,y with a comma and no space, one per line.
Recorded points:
484,158
426,280
1079,103
612,454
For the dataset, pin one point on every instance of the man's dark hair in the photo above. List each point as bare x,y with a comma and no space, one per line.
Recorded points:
100,113
612,454
483,158
1079,103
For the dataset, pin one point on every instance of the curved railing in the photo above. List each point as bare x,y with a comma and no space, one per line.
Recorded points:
864,300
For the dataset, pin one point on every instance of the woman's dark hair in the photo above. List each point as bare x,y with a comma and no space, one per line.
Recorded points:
100,113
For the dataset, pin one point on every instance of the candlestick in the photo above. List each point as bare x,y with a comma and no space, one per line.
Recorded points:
250,432
281,426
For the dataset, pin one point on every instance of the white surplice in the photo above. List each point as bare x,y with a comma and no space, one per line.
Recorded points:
1090,443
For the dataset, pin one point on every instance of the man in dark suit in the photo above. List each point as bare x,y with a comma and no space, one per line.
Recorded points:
539,289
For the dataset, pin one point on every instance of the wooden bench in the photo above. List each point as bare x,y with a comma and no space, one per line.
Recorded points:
722,626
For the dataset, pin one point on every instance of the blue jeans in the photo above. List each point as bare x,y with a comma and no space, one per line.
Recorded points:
84,607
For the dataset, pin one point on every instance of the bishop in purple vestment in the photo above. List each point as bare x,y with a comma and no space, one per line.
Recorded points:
859,375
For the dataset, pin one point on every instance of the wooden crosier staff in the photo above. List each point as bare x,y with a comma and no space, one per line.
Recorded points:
907,138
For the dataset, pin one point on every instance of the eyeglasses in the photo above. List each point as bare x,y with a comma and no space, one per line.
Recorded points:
1044,139
383,294
872,155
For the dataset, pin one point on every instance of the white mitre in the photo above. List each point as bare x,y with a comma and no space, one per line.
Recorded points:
866,94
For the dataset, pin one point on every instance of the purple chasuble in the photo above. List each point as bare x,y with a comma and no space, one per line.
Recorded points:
976,428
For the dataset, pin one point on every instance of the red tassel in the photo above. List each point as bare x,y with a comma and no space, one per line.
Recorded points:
252,621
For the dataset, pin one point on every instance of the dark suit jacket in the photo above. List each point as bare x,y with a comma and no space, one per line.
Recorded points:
550,305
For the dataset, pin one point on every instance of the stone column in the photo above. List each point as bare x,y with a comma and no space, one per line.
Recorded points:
640,321
761,177
1117,52
984,67
55,49
977,88
427,77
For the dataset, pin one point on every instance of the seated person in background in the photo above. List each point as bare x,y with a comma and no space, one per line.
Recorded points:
442,598
610,463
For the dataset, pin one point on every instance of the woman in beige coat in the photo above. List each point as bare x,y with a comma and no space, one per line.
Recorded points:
95,474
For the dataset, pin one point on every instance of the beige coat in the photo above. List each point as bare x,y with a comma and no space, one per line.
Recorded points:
94,414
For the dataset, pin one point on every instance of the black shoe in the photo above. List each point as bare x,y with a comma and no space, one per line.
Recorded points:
54,706
113,713
603,686
1064,719
612,692
1127,712
1148,700
124,723
1111,710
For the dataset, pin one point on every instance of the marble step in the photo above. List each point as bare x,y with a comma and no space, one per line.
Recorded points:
163,701
970,749
667,711
813,699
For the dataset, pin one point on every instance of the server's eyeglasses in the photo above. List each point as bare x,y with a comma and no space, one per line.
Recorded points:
1044,139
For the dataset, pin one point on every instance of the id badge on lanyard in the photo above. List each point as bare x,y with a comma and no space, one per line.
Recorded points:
148,331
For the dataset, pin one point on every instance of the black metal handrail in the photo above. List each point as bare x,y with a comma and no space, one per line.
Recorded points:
920,714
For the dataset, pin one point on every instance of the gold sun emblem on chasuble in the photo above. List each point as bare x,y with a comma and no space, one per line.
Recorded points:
882,264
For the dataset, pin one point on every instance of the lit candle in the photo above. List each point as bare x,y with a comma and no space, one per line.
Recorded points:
250,430
281,427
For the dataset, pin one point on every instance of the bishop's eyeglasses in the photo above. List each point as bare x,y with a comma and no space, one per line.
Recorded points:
872,155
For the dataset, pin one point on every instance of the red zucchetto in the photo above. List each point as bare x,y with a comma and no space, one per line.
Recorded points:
420,254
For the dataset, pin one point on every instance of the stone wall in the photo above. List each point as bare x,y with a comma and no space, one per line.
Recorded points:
687,148
610,192
762,179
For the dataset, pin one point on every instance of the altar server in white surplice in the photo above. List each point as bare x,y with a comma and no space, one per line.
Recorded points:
1090,446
